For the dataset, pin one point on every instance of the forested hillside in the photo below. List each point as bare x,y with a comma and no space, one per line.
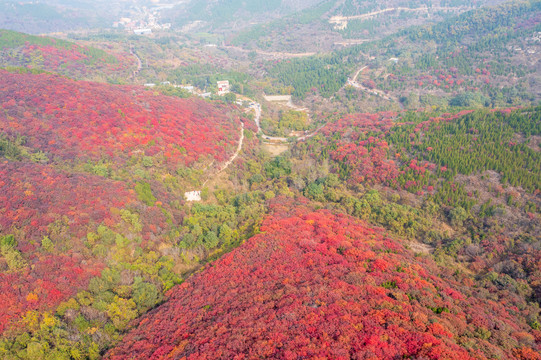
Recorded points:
92,214
35,18
221,14
385,203
465,184
45,215
485,57
51,16
83,121
332,24
315,284
62,57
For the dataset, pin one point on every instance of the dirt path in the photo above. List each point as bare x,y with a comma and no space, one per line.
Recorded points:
339,18
297,108
353,82
139,62
239,148
257,108
341,22
377,92
358,72
196,194
304,137
274,54
351,42
231,159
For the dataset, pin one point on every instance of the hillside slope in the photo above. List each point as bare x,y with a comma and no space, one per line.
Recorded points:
319,285
484,57
63,57
50,16
224,13
38,202
84,121
341,23
92,178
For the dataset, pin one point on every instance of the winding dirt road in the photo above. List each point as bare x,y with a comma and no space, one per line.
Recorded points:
225,165
139,62
274,54
239,148
257,108
353,82
342,21
196,195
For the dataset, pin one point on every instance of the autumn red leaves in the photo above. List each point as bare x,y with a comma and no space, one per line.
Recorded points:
89,121
318,285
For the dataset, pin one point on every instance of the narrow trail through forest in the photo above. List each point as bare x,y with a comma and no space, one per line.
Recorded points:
353,82
358,72
257,108
274,54
338,18
342,21
231,159
196,195
239,148
139,62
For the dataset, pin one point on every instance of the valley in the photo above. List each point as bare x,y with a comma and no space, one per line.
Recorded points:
270,180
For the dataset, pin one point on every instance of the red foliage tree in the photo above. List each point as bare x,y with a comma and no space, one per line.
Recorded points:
318,285
82,120
34,199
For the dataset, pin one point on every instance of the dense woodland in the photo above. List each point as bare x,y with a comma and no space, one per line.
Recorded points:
312,29
465,69
60,56
409,229
314,284
93,226
99,124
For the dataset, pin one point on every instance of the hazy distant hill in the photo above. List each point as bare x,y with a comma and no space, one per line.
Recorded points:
49,16
236,13
333,15
62,57
484,56
40,17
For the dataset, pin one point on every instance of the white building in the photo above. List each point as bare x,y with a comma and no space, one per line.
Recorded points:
193,196
223,87
188,88
142,31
